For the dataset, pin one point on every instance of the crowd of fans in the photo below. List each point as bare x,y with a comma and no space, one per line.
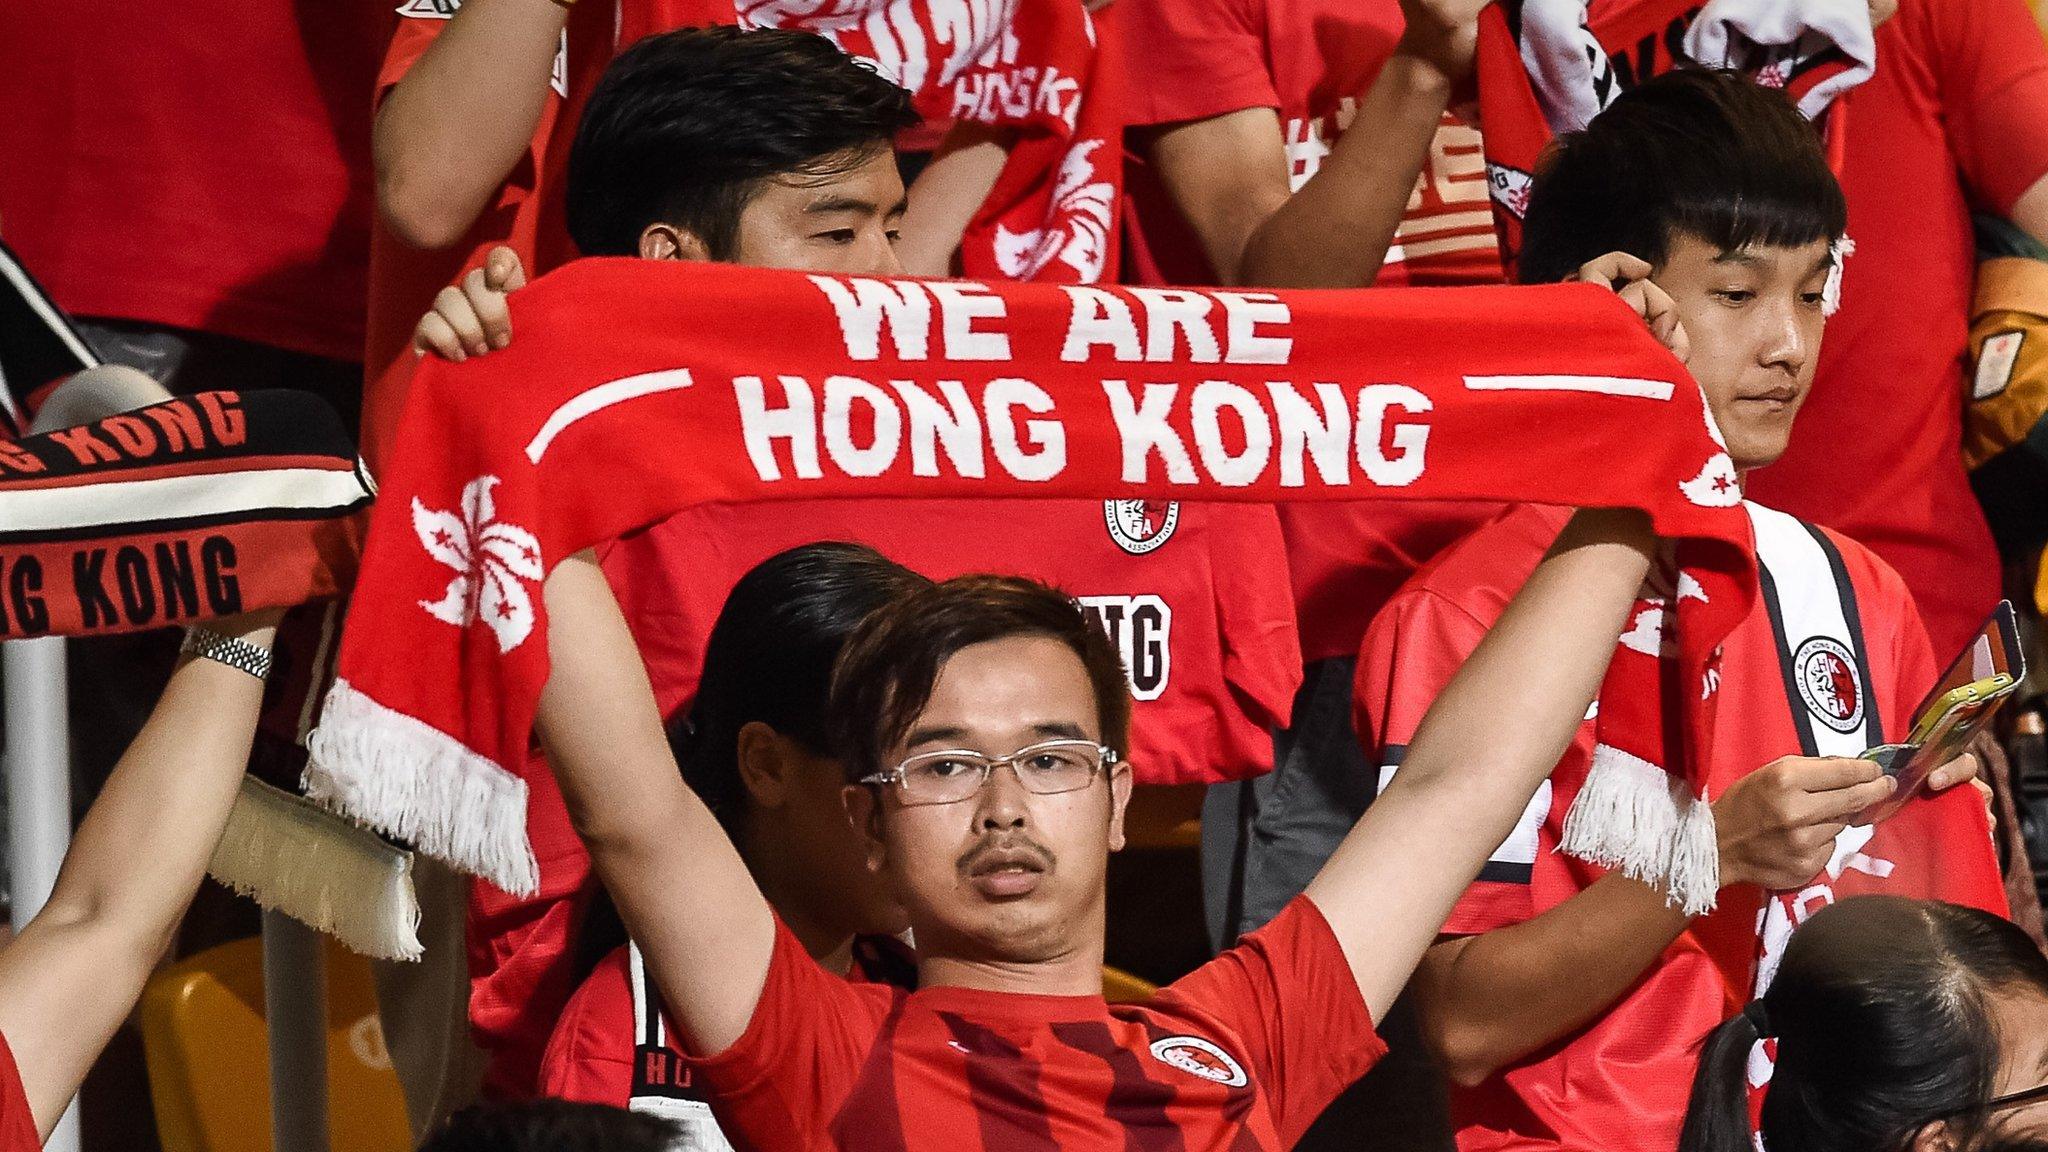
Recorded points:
825,863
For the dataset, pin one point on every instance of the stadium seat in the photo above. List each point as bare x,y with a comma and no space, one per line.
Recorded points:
209,1058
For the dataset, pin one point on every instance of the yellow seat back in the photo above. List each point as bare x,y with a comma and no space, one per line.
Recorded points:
209,1056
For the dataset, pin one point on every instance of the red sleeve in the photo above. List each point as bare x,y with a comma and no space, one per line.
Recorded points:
1990,64
782,1081
1288,993
1201,58
1411,651
17,1122
590,1056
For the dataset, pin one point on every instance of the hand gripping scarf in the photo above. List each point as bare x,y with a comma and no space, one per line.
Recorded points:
1039,69
1549,66
721,383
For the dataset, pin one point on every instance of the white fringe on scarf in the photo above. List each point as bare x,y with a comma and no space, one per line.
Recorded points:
1641,820
407,779
292,856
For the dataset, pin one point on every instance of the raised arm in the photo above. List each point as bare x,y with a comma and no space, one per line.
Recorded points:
1228,174
681,888
946,195
76,970
1491,737
449,133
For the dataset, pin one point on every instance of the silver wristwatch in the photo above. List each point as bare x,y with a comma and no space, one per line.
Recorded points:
232,651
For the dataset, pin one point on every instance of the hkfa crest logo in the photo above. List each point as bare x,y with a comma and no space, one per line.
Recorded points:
491,560
1830,683
1141,526
1198,1057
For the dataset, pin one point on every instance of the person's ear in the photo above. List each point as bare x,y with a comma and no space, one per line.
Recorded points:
864,812
767,764
669,242
1119,799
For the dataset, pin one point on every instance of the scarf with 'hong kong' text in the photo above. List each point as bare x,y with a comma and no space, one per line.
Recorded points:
195,508
713,382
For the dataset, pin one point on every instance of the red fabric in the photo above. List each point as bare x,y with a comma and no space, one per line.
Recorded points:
1312,61
192,509
1052,214
17,1122
1957,115
590,1057
1242,1053
229,142
1204,618
1623,1081
525,214
1212,673
557,443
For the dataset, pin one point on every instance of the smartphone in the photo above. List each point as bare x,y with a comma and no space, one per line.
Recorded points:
1945,732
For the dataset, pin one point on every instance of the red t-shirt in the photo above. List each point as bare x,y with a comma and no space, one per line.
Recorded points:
1241,1054
526,214
607,1050
1312,61
1622,1081
1957,115
201,165
1195,596
17,1122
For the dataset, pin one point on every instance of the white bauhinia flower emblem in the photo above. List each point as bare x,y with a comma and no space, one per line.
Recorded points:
491,559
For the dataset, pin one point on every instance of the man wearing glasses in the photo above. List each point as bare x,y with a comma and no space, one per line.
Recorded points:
980,722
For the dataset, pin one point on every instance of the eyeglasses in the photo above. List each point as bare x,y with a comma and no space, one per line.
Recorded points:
956,774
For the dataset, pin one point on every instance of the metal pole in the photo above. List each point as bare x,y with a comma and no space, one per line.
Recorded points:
37,763
295,1005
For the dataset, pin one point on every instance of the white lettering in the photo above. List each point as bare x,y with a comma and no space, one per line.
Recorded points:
864,306
954,425
1174,309
1242,469
1322,436
1410,438
1144,431
1099,317
1048,438
1243,312
796,422
852,459
960,305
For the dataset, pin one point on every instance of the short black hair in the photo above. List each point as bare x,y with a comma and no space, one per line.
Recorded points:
551,1126
684,126
886,674
770,660
1697,152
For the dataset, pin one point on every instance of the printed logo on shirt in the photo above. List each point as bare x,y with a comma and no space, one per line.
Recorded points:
1141,526
1829,683
429,9
1199,1057
1141,628
558,73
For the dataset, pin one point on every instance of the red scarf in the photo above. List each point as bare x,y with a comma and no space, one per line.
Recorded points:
199,507
1549,66
713,382
1037,68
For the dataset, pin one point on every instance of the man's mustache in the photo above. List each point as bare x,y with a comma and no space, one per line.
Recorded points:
996,853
